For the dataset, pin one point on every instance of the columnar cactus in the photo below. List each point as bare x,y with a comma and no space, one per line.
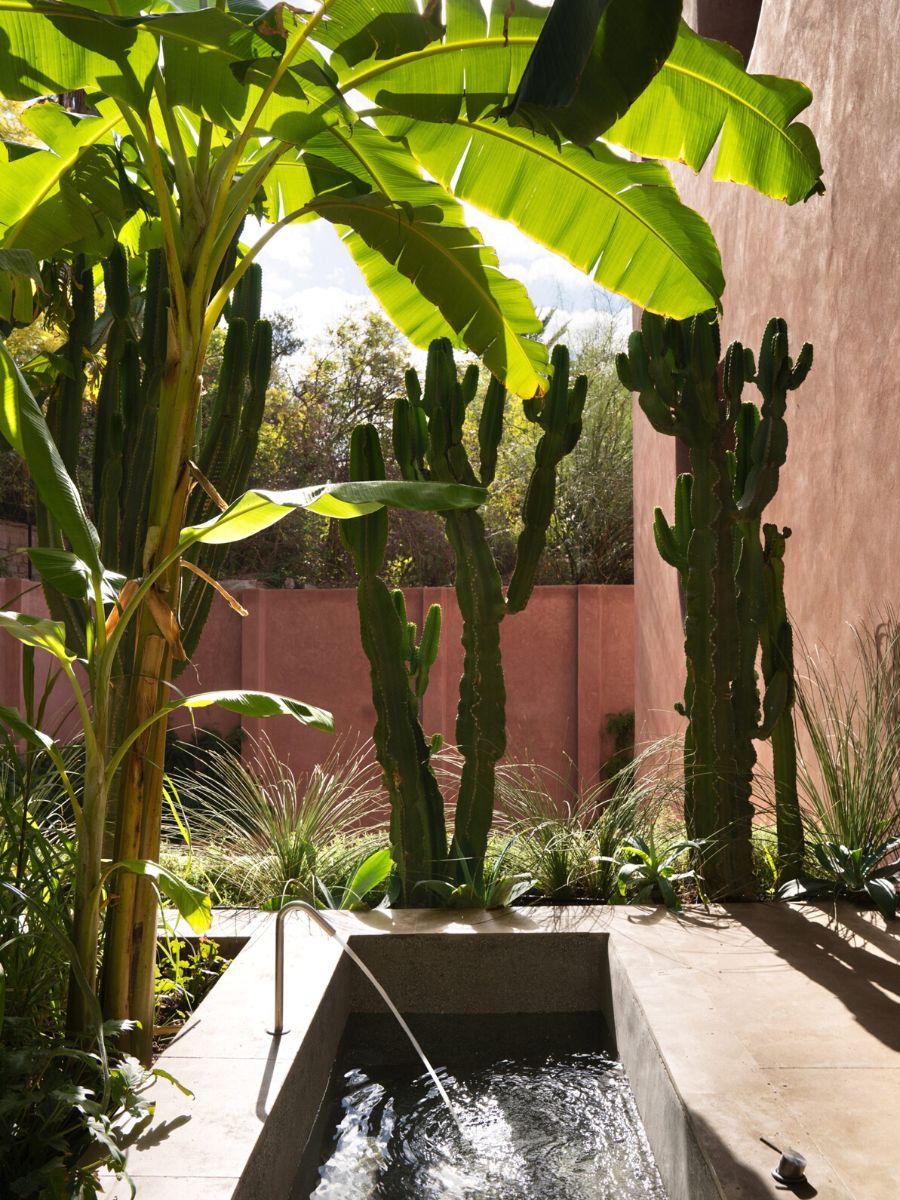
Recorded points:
428,444
399,669
63,407
134,329
226,452
732,583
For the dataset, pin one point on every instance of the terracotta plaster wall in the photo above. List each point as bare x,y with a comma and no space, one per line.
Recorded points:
568,661
831,267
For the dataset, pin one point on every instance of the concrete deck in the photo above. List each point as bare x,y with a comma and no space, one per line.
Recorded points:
763,1021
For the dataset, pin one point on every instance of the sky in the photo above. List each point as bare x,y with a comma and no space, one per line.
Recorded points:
308,273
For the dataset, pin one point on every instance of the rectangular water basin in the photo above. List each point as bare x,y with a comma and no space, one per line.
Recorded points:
550,1012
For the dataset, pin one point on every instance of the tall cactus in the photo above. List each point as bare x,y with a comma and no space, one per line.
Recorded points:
64,403
428,441
399,670
227,449
732,582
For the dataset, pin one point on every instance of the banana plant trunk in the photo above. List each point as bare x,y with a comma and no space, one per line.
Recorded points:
130,956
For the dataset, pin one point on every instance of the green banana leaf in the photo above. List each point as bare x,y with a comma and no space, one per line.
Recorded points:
20,727
40,632
256,704
191,902
592,59
456,272
67,573
437,88
701,96
257,509
426,249
620,222
53,47
22,424
35,211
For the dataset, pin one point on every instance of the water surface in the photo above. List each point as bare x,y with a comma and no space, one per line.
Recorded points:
545,1122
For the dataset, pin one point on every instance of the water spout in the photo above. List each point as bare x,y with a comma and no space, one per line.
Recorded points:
316,917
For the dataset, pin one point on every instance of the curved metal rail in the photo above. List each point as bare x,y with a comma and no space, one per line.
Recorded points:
314,915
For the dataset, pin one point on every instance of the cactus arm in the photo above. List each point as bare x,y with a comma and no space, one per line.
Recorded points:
140,407
560,418
418,837
777,375
197,597
418,832
64,422
428,648
776,642
481,715
490,430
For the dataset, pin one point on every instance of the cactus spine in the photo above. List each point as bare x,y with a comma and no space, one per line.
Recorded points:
733,582
399,670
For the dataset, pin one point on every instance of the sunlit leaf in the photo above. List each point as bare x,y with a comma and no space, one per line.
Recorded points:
192,903
257,704
257,509
702,97
39,632
621,222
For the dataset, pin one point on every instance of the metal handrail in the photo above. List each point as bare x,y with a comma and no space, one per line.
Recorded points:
314,915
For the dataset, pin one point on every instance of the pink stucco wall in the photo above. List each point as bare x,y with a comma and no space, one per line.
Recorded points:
831,267
568,659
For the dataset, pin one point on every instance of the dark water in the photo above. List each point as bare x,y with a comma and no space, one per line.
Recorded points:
545,1122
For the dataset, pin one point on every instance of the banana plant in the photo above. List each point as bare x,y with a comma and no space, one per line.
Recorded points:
110,606
193,117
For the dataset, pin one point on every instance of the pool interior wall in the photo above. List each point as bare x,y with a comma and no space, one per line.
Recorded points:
576,973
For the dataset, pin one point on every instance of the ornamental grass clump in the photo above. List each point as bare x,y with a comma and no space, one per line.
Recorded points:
568,840
266,834
850,777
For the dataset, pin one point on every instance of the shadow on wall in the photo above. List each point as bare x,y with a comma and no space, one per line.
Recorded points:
841,957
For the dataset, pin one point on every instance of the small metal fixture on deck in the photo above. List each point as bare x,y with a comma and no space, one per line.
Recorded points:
791,1167
315,916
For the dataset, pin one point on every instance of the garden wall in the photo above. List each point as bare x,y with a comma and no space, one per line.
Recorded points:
831,267
569,663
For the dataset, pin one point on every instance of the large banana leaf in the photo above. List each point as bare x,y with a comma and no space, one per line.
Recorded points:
35,210
479,62
591,60
703,95
48,47
619,221
22,424
257,509
419,230
456,272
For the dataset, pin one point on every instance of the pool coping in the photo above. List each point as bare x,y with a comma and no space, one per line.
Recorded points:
720,1003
